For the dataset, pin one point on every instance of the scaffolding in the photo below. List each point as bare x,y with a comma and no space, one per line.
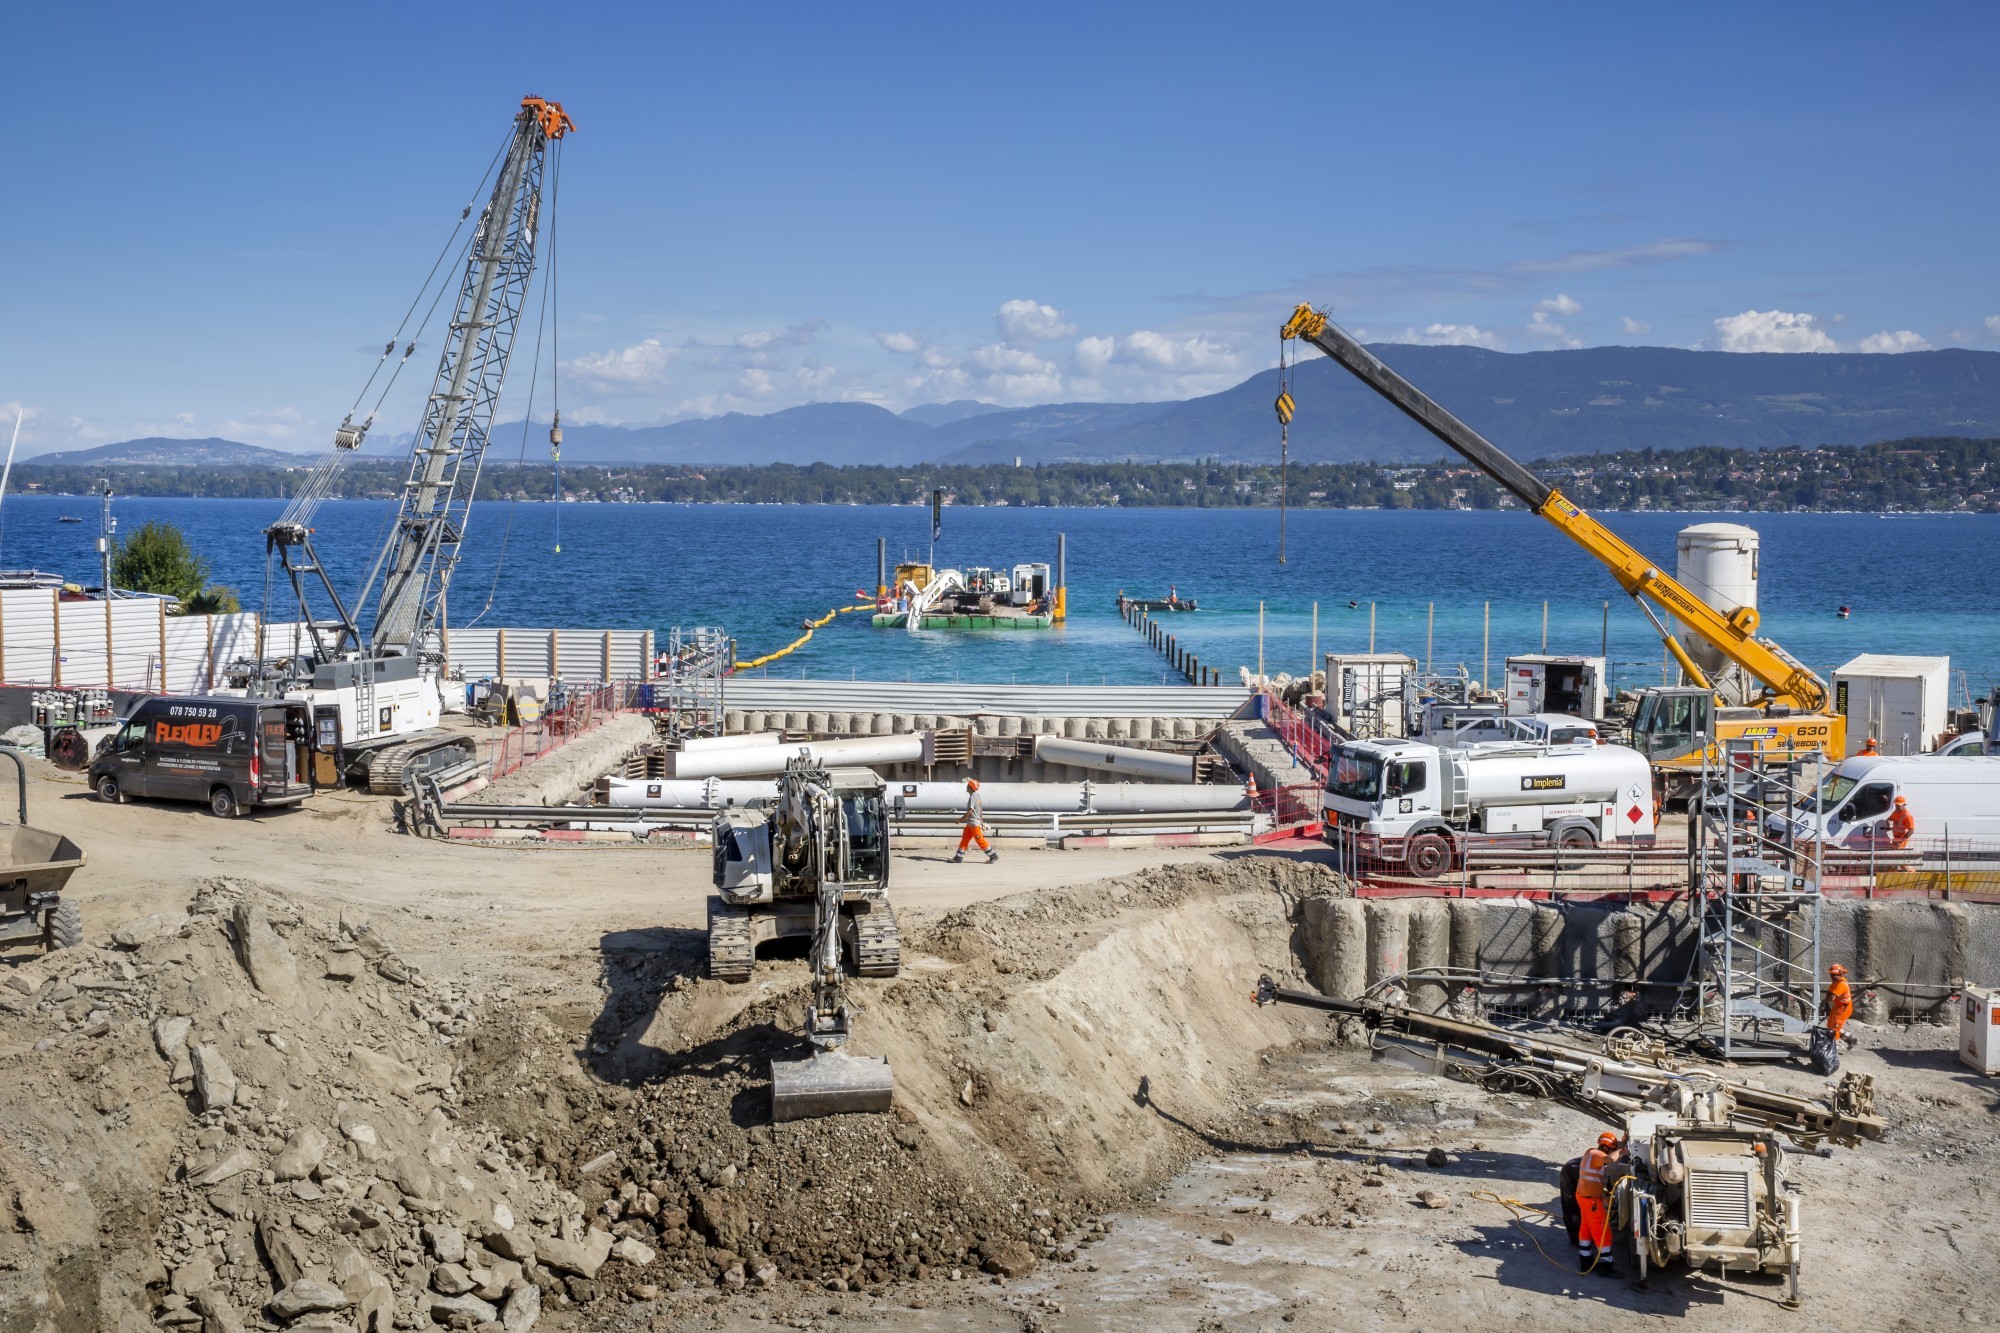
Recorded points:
698,660
1757,901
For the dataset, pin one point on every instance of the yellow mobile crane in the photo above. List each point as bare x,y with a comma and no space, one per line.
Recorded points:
1676,727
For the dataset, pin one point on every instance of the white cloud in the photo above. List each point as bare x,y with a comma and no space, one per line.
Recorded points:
1195,352
1542,323
1771,331
794,335
1992,326
1446,335
1631,256
996,359
268,427
1094,354
812,374
1635,327
639,365
756,383
897,342
1559,304
1895,340
1024,322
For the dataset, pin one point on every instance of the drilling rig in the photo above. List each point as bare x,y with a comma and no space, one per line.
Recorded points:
377,696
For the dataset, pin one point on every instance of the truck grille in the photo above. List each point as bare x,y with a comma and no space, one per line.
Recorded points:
1718,1201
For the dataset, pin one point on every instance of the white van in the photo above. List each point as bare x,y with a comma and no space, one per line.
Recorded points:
1958,795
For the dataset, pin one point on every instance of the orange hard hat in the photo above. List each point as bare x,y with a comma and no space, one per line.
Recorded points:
1607,1140
972,784
1901,801
1837,970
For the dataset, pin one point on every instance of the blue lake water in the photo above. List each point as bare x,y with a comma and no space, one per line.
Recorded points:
1921,584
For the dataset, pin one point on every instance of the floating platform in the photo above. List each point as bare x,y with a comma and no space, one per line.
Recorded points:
999,620
1156,604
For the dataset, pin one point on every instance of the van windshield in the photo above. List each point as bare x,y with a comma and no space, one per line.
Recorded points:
1830,794
1354,775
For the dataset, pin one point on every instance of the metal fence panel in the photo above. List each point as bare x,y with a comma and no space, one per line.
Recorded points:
136,643
83,660
28,636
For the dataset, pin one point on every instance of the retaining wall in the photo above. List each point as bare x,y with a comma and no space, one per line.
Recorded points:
1905,957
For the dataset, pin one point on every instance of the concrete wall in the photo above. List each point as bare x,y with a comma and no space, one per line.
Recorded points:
1905,957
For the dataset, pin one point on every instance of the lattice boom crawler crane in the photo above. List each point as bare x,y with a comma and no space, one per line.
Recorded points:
814,865
377,695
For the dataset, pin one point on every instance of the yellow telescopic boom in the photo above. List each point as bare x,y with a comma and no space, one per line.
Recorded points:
1790,684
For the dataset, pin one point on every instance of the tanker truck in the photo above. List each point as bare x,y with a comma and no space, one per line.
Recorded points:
1422,805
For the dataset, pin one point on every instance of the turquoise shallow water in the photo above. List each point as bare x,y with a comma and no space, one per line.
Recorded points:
1925,584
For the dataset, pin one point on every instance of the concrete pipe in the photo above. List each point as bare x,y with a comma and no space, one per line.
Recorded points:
1336,945
686,793
1122,798
1388,939
1468,933
758,760
1153,764
704,743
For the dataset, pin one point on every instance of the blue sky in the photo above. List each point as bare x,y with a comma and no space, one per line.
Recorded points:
219,212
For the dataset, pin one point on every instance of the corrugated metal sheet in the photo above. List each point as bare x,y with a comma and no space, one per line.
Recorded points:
28,636
83,642
235,636
970,700
476,653
187,655
135,644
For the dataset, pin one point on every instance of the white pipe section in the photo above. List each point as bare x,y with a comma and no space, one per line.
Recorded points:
730,742
1156,764
745,761
1104,798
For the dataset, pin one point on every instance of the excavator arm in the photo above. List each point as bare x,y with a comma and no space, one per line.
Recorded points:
1790,683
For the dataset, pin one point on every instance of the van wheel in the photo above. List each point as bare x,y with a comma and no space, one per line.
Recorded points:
66,925
1428,855
109,792
223,802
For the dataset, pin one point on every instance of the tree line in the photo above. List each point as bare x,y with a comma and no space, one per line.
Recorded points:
1928,474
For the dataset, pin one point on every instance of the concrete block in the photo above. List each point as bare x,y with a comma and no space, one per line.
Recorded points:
1430,951
1667,945
1906,952
1981,966
1335,940
1468,925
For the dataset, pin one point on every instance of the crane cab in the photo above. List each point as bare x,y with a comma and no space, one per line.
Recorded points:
1677,728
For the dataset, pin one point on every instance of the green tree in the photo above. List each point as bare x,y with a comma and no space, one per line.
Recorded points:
158,559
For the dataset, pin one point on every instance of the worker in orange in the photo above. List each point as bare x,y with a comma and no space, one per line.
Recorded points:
1838,1003
1901,824
1593,1242
975,825
1867,747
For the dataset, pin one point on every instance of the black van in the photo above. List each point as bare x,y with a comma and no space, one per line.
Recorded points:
229,753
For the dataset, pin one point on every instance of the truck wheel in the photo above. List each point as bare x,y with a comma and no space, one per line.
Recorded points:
109,791
1428,855
66,925
223,802
1577,837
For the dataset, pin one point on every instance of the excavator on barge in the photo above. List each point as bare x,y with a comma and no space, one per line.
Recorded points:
377,696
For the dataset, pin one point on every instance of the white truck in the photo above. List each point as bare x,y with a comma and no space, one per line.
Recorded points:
1955,796
1423,805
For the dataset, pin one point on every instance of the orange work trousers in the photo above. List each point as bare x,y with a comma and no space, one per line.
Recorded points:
973,834
1596,1229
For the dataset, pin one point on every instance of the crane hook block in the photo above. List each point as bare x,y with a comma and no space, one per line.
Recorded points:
349,435
555,437
554,120
1286,407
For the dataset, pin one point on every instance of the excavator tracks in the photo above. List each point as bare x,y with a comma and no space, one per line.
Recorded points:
387,766
873,941
732,950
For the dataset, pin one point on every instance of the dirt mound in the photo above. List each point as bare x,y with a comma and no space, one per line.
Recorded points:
246,1108
1054,1053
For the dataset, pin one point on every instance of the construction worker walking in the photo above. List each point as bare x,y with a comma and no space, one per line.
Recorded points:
1838,1003
1593,1243
975,825
1901,823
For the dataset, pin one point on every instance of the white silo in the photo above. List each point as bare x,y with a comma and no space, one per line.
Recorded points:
1717,562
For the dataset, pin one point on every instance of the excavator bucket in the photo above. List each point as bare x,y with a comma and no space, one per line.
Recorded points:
829,1083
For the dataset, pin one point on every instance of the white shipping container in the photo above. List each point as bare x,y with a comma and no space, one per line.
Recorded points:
1900,701
1979,1030
1547,683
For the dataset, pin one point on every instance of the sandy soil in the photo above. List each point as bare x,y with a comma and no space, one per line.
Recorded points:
1073,1033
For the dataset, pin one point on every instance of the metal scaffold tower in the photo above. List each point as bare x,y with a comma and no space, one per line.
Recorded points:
1757,902
699,659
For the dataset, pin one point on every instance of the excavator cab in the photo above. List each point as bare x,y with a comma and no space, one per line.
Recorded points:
1673,723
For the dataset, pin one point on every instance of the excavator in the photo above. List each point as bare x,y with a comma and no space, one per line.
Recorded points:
813,865
377,696
1708,1184
1766,696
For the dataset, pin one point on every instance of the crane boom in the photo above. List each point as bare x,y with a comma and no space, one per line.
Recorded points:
417,563
1790,683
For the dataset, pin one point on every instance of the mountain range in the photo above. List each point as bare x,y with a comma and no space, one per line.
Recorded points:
1532,404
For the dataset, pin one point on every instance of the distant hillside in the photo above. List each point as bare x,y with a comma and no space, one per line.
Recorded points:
157,452
1532,404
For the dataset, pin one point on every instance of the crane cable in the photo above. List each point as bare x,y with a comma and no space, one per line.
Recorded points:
555,345
810,627
1286,406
